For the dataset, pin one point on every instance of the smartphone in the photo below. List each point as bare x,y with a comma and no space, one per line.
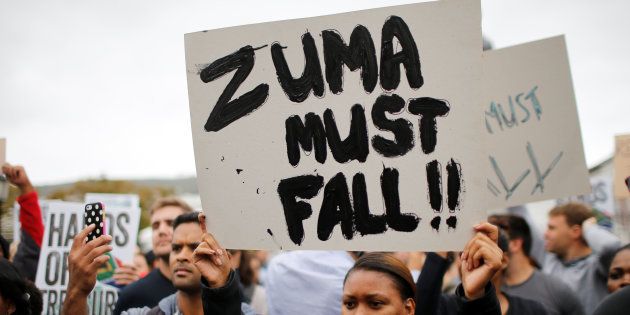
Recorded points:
95,214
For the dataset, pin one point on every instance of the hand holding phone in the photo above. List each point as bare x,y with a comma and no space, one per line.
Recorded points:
95,214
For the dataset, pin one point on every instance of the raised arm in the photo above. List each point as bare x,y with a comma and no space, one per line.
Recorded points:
599,239
220,291
83,263
429,285
31,222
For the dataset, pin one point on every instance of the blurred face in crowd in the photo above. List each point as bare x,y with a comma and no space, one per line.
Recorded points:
162,227
619,272
186,277
559,235
373,292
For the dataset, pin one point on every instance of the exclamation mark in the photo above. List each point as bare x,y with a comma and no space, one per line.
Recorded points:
434,183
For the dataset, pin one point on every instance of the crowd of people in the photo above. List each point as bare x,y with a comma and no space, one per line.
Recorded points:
508,266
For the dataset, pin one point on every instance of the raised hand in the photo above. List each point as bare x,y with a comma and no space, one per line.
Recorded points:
17,176
83,263
85,259
126,274
481,259
212,261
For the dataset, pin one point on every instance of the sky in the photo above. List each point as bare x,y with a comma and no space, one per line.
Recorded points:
98,88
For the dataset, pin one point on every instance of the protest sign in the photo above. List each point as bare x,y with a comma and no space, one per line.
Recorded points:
3,151
295,148
63,221
600,198
532,130
621,162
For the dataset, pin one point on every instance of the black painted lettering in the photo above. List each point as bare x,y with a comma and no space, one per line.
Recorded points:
429,109
336,209
355,146
396,220
304,187
454,184
226,110
401,128
360,54
366,223
306,134
297,90
434,183
408,55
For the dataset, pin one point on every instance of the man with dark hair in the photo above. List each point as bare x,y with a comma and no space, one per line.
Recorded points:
521,278
574,245
200,269
156,285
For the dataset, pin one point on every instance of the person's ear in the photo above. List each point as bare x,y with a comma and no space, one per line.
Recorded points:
410,306
576,232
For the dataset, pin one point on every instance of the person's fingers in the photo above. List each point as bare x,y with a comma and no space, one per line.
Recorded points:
79,239
205,249
126,269
489,256
214,245
98,251
205,252
98,262
125,278
202,222
491,230
99,241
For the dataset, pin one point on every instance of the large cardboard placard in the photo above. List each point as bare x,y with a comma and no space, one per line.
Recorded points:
532,128
294,150
621,163
63,221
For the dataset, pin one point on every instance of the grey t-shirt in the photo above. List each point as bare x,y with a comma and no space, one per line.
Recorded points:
555,295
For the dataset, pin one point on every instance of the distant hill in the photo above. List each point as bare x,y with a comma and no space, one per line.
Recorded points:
186,185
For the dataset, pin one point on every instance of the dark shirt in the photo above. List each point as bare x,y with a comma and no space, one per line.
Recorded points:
615,304
431,301
147,291
521,306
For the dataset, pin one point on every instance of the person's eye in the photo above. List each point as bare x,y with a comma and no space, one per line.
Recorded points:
349,304
176,248
169,222
155,225
376,304
614,274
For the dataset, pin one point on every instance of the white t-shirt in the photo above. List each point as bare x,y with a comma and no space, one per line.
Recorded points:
307,282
